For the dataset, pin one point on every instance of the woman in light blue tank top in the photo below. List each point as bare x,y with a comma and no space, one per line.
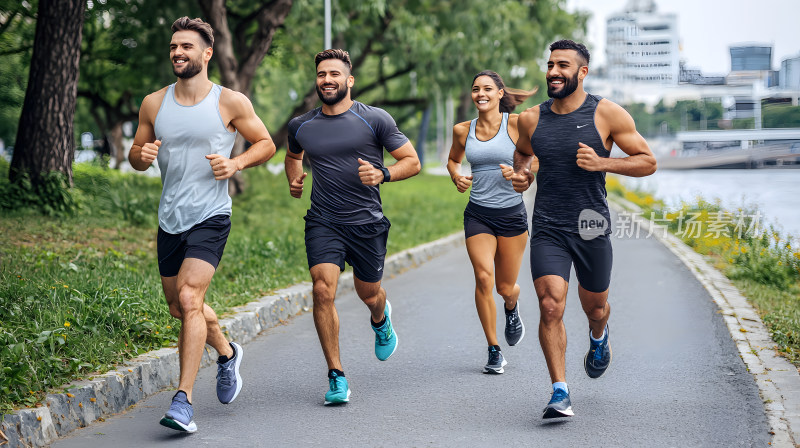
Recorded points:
495,220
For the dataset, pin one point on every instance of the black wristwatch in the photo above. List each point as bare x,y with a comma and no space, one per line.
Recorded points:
386,176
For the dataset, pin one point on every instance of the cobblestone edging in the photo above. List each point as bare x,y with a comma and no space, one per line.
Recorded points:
91,400
778,380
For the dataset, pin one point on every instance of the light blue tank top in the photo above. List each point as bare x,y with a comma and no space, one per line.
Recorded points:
489,187
190,193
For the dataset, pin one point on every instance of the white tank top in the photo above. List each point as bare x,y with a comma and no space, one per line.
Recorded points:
190,194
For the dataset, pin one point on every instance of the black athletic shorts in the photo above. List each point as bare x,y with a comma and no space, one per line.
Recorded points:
553,251
507,222
362,246
205,240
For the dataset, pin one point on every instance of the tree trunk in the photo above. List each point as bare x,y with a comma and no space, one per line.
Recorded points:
117,150
238,59
45,140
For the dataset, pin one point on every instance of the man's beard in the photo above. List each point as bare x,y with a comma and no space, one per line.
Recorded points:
570,85
341,93
191,69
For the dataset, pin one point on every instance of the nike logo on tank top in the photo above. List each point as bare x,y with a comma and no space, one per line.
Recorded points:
564,189
190,194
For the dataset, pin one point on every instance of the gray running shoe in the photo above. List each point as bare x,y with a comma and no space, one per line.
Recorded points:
229,382
515,329
179,416
495,363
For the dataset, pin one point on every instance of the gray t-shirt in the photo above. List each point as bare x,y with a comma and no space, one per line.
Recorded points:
333,144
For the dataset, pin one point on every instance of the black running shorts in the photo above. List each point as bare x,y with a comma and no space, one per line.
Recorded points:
507,222
553,251
362,246
205,241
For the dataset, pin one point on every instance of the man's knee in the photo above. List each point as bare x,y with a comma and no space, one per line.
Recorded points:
551,309
323,293
189,301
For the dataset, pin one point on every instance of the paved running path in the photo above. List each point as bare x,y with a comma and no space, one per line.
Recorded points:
676,379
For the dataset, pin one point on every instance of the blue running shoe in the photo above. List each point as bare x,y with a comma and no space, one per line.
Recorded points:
229,382
598,358
559,405
339,392
496,362
179,416
385,337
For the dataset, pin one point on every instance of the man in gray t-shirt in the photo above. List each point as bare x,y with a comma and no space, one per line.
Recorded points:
344,141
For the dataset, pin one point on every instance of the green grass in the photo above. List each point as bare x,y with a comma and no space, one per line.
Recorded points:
80,293
764,267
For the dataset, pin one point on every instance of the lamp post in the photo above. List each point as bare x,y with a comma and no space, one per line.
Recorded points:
327,24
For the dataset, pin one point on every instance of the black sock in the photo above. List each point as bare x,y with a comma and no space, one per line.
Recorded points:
378,324
496,347
337,372
509,311
224,359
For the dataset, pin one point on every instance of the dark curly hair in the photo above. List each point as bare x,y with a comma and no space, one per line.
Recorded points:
567,44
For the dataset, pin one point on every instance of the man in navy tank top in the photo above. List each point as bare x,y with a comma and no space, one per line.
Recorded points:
567,141
189,127
344,142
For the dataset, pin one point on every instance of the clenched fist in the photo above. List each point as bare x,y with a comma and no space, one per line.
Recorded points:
149,152
222,166
296,186
368,174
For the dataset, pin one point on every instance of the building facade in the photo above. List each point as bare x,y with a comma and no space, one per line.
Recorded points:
642,45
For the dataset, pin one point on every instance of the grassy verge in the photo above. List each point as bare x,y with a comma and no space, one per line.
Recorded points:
762,263
81,293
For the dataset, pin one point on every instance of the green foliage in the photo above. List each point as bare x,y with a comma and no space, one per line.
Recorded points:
687,115
50,196
81,293
781,116
16,43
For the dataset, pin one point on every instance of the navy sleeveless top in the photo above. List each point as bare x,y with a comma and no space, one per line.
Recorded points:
564,189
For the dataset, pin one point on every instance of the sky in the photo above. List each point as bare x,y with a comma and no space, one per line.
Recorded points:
708,27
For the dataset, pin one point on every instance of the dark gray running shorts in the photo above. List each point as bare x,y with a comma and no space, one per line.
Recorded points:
507,222
205,240
362,246
553,251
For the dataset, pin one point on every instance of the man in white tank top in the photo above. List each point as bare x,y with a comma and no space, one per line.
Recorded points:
190,128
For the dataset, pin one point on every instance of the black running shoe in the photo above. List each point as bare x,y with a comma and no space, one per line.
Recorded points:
496,361
598,358
515,329
559,405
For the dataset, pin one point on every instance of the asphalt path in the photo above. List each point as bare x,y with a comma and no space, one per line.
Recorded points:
676,379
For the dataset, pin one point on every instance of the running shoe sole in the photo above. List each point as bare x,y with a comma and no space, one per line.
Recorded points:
333,403
178,426
238,361
555,413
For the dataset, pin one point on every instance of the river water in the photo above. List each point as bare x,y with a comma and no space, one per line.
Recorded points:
775,192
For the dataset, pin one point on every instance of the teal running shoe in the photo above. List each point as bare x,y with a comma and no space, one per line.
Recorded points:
385,337
179,415
339,392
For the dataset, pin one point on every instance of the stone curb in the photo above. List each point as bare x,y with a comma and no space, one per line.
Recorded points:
90,400
778,380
